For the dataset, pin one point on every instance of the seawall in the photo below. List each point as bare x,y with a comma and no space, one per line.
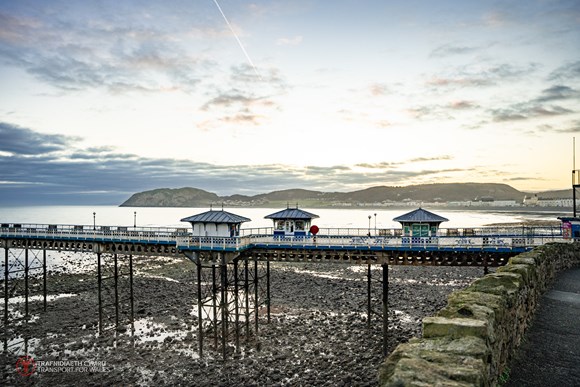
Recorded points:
472,339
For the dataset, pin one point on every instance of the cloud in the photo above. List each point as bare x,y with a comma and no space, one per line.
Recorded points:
391,165
18,140
379,89
430,112
459,81
558,93
294,41
568,71
571,127
475,75
230,98
243,119
523,111
447,111
495,19
462,105
449,50
248,96
55,169
438,158
71,56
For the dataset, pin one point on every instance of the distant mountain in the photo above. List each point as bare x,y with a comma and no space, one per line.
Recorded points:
168,197
194,197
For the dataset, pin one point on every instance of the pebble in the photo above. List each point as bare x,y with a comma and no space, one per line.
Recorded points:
318,339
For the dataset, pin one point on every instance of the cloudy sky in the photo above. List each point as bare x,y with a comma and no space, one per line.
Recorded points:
101,99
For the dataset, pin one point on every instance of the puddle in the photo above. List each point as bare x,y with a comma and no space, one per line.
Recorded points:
404,317
49,297
152,276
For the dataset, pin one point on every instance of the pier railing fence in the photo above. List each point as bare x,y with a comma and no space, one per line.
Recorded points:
451,238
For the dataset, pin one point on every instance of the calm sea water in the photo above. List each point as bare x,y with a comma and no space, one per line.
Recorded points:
328,218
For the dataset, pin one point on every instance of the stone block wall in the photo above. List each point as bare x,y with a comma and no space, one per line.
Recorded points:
471,340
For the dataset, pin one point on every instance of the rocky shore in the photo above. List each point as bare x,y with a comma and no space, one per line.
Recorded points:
318,334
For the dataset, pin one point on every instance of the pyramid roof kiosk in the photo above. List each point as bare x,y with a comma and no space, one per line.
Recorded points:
291,222
215,223
420,223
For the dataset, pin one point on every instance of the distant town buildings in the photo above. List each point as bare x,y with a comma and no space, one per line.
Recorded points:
482,202
533,201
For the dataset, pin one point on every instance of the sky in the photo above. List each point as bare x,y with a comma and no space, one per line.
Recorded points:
103,99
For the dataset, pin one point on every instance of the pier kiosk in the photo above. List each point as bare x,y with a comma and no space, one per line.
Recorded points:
570,227
291,222
420,226
216,223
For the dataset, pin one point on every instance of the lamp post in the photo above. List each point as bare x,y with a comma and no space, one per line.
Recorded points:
375,224
94,221
369,225
134,219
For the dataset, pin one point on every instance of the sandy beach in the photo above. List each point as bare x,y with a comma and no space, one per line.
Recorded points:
318,333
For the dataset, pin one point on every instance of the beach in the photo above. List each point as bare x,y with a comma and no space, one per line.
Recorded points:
318,334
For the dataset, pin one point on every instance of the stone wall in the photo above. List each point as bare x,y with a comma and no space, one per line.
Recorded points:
471,340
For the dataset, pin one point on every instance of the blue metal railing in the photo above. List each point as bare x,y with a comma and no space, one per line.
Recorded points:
487,238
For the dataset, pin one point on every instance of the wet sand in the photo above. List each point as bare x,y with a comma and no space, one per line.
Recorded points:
318,334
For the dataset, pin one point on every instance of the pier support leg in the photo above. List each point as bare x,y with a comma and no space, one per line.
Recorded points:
44,278
227,294
131,296
214,307
99,290
116,291
236,305
116,298
26,268
369,301
385,307
247,299
268,288
224,304
256,297
199,310
6,297
485,268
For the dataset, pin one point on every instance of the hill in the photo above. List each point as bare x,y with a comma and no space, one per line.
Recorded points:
194,197
168,197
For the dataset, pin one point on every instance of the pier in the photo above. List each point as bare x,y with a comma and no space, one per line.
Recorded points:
233,272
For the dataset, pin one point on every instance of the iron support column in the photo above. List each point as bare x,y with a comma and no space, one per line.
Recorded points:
224,303
369,300
26,284
6,298
485,269
385,307
131,295
99,280
44,276
199,310
214,291
268,288
256,299
247,299
116,292
236,305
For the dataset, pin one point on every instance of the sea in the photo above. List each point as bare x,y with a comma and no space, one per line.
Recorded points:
367,217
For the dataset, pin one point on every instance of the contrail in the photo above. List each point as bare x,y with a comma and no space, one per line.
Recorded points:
238,39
